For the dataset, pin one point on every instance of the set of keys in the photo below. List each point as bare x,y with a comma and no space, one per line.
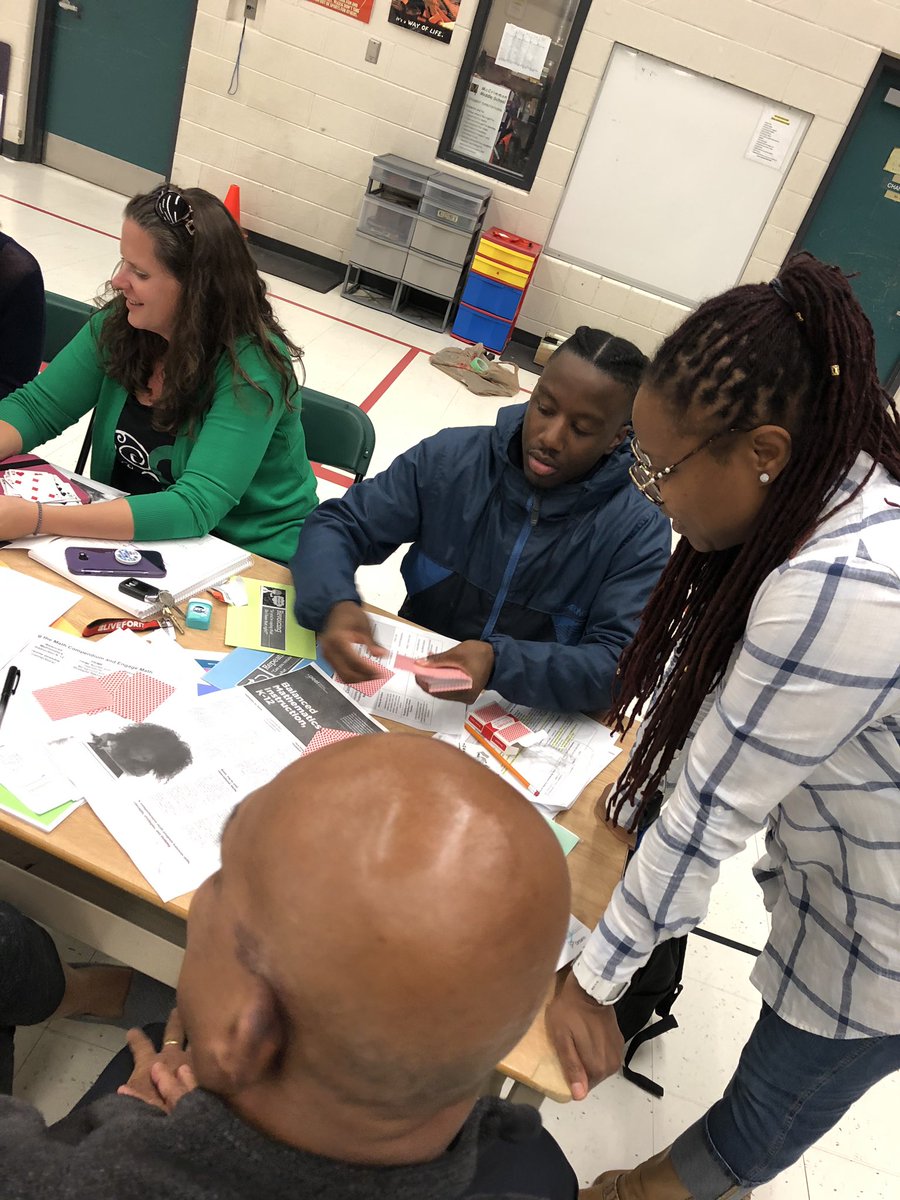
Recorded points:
170,615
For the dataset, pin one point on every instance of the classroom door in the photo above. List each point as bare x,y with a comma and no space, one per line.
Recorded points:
115,83
855,220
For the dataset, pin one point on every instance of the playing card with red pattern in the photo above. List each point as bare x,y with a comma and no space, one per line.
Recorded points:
326,737
370,687
78,697
135,696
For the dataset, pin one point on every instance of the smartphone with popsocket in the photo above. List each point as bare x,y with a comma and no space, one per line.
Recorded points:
106,560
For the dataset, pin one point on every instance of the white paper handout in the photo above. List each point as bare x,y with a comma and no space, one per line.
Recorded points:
399,697
27,607
221,747
573,751
71,689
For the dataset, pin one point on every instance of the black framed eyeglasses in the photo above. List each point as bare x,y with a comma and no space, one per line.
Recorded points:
646,480
174,208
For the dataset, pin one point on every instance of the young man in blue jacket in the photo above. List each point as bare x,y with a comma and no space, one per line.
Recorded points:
530,545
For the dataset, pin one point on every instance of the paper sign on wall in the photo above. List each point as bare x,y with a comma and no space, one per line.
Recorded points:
771,139
523,51
360,10
481,118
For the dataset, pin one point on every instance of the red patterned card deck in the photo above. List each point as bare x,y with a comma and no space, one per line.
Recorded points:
498,726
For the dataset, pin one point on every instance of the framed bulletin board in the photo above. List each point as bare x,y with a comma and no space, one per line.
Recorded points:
674,178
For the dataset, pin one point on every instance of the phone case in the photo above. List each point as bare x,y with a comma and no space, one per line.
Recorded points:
93,560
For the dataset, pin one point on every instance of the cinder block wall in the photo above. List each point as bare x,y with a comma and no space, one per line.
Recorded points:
310,113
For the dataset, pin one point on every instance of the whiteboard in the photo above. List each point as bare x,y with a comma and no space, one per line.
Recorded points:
674,178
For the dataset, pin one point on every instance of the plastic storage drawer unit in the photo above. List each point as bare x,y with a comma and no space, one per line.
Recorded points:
389,222
378,256
474,326
399,174
497,298
431,274
509,275
454,201
509,249
452,245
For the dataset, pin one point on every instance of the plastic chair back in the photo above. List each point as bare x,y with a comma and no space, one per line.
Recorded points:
337,433
65,317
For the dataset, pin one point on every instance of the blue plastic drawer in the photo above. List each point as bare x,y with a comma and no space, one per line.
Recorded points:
491,296
474,326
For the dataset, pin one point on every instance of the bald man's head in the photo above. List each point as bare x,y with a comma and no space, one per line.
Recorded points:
386,922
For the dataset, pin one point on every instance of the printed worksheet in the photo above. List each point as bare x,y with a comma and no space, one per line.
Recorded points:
572,750
395,693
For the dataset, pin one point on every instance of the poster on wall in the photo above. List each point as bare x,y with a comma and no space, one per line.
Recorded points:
360,10
479,134
433,18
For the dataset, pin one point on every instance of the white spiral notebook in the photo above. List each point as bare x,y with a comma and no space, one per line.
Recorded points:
191,567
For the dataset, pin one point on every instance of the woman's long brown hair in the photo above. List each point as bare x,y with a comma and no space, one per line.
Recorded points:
223,301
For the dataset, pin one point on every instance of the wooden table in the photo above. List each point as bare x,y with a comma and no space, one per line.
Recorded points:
83,872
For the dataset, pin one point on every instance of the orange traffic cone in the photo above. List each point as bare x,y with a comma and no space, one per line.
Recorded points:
233,203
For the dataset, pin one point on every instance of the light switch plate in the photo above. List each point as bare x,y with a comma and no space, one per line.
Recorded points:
373,50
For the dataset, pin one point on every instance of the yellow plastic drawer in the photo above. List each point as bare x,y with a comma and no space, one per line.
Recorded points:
493,270
501,254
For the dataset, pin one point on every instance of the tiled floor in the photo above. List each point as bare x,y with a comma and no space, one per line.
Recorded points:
351,351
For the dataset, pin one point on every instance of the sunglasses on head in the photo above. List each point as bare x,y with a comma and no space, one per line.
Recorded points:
174,208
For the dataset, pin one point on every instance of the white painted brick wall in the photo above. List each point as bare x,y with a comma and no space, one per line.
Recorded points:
17,29
310,113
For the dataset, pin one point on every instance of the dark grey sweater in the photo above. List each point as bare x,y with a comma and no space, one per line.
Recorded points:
130,1151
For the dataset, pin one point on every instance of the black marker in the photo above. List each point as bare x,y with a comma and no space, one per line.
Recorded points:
13,675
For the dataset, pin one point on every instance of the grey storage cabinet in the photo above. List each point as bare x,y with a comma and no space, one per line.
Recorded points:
416,235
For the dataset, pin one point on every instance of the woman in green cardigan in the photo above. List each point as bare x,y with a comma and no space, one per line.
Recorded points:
191,380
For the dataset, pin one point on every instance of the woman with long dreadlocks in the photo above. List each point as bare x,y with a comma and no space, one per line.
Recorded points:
769,656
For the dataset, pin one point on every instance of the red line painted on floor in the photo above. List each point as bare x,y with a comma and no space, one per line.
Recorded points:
326,473
369,401
69,220
352,324
392,376
296,303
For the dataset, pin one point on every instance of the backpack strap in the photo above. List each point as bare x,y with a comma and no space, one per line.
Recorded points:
652,1031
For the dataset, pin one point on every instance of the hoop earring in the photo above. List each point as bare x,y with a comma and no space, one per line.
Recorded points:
764,478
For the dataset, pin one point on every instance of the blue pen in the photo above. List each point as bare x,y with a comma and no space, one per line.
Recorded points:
13,675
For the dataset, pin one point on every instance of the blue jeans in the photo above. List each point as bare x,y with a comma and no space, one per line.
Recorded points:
32,982
790,1087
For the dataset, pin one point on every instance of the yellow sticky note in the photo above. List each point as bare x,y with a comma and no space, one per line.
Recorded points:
893,162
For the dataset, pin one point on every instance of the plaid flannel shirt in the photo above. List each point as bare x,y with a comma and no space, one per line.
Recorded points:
802,737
